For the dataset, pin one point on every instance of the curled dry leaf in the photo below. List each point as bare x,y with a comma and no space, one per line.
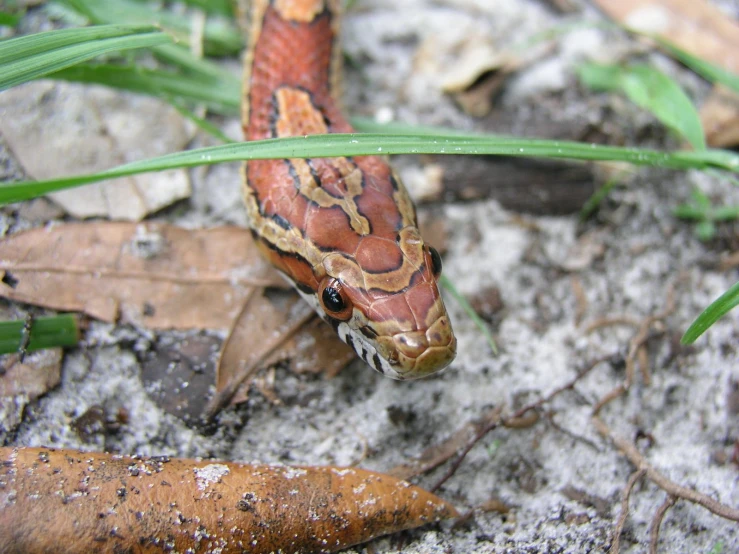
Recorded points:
154,275
696,26
476,71
68,501
274,328
260,331
41,117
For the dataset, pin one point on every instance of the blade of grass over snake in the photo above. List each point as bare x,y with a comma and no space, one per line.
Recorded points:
318,146
47,57
719,308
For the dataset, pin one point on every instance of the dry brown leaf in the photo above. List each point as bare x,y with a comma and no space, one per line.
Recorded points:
155,275
694,25
91,502
720,118
271,329
475,93
316,348
259,332
22,382
41,117
473,70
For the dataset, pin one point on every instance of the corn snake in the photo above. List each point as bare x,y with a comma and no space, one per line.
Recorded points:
342,230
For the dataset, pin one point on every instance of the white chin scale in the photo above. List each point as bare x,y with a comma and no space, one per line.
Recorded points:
361,345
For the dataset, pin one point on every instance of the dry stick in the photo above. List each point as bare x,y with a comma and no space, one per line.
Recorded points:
631,452
515,416
657,521
587,442
625,495
610,322
634,456
635,347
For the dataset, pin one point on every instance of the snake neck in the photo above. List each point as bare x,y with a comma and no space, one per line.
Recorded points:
292,69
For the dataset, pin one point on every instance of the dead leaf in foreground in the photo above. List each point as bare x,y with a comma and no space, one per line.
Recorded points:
696,26
105,503
154,275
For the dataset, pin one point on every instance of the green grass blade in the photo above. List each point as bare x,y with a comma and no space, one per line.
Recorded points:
652,90
219,7
181,57
219,97
14,49
203,124
471,313
8,19
53,58
46,332
321,146
717,309
592,203
369,125
221,36
707,70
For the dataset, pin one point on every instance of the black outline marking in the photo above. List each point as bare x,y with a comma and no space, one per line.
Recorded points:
297,284
281,221
296,178
305,289
368,332
329,249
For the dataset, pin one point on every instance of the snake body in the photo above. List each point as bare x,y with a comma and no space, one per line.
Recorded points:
343,230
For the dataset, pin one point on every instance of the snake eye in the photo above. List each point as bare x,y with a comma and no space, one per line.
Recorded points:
435,261
334,299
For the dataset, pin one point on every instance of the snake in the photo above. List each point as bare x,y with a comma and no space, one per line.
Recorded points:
342,230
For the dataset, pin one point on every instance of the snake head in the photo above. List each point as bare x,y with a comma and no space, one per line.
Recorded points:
384,302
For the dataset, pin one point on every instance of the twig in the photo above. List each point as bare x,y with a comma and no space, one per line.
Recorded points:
625,495
610,322
634,456
573,436
636,345
516,416
657,521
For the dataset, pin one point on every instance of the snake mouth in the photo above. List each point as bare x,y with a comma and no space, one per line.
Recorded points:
404,356
424,352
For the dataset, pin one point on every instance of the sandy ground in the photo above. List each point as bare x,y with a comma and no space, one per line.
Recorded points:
560,478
